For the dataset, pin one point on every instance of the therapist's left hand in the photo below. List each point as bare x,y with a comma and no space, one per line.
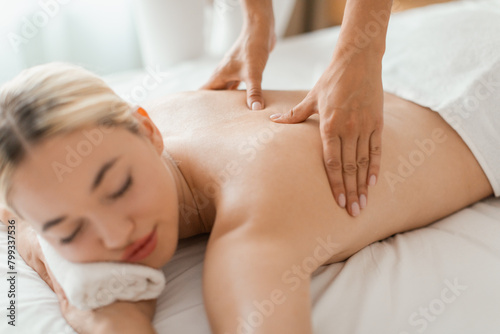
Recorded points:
349,100
246,62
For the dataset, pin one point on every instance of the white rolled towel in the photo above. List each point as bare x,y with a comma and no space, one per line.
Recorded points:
92,285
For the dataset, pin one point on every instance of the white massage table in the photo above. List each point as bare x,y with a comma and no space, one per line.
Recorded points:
440,279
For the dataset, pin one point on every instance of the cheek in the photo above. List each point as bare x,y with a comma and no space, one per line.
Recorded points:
157,195
167,245
77,254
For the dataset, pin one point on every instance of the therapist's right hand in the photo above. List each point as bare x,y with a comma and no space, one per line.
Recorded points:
246,61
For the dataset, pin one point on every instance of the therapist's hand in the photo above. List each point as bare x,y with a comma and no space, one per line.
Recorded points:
246,61
349,100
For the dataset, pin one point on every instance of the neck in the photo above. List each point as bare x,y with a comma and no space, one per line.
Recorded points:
190,216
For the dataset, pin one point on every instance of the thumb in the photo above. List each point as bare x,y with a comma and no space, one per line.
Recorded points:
297,114
221,79
214,83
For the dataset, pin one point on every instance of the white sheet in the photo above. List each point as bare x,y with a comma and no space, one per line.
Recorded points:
462,83
400,285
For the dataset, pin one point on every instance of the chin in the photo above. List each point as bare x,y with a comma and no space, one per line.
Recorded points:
164,251
157,261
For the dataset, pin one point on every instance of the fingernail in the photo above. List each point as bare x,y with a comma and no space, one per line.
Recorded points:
256,106
373,180
275,116
362,201
355,209
342,200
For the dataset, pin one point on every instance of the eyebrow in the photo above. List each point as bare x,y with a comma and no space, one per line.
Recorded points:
97,181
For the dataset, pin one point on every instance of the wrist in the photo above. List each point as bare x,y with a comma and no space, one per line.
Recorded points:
122,317
123,324
360,49
259,36
259,15
367,58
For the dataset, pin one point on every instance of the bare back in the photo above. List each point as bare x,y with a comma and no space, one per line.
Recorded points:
273,176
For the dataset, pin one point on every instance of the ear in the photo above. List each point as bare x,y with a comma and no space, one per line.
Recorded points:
149,129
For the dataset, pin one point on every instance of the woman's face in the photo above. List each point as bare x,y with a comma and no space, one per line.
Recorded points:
104,188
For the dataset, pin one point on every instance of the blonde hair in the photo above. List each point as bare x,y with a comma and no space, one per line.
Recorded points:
48,100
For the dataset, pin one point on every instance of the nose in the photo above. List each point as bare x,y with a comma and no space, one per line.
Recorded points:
115,232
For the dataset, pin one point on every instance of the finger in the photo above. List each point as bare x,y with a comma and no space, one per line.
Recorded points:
333,164
349,171
375,156
363,161
58,290
61,297
211,83
215,83
220,79
54,284
298,114
41,267
255,100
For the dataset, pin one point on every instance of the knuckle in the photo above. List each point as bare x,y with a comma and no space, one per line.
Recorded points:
333,164
328,127
352,194
254,93
350,125
363,162
350,168
374,170
255,74
376,150
337,186
362,188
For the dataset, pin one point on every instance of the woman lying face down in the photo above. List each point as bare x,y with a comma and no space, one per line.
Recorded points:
93,175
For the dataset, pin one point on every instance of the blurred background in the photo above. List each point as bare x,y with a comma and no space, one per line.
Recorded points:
115,36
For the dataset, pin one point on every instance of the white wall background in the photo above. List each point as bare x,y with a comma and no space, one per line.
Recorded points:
118,35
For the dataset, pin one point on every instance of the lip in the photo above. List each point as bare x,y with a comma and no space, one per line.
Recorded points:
141,248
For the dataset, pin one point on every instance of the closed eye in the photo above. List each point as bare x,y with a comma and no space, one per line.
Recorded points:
116,195
72,236
123,189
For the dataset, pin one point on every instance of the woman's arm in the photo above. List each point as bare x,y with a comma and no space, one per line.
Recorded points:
118,317
249,285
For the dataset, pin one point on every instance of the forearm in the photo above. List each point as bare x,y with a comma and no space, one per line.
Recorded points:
124,325
125,317
364,27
